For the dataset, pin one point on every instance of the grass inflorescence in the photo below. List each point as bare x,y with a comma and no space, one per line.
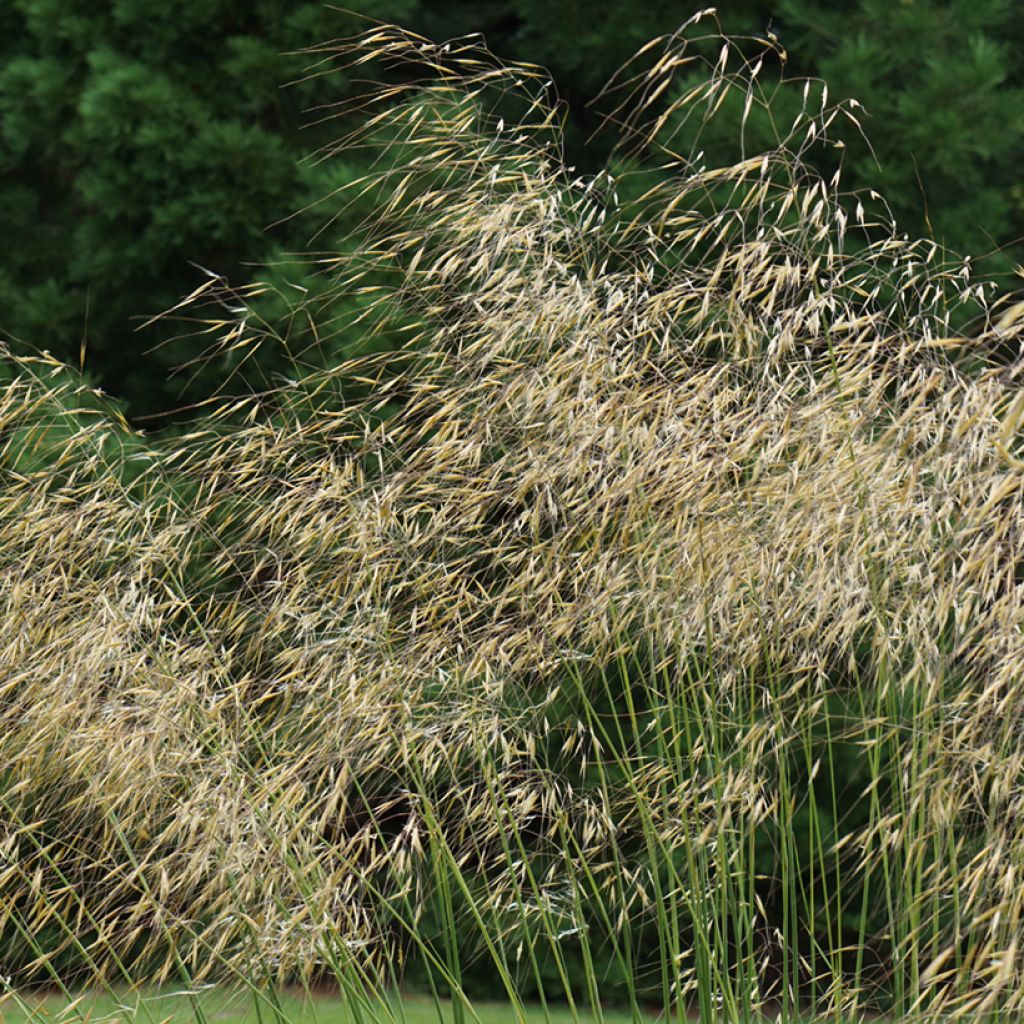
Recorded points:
644,627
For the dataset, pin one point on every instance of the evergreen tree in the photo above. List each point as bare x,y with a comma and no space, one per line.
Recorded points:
941,86
140,142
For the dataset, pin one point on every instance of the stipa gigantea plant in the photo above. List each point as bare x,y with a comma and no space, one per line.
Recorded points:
661,647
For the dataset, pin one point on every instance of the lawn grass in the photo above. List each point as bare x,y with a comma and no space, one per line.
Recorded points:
222,1006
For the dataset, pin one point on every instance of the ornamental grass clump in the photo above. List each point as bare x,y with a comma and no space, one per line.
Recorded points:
643,626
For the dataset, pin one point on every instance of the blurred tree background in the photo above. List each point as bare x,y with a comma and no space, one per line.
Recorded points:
140,143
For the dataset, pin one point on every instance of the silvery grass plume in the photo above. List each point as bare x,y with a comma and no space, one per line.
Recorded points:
531,641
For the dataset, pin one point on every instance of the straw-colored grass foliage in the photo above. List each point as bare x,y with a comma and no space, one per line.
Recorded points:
550,667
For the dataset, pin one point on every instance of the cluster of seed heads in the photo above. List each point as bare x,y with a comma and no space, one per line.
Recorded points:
274,690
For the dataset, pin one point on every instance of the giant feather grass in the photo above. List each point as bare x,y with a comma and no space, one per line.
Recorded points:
645,629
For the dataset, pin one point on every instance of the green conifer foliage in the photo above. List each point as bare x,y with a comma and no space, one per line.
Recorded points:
137,140
141,142
941,86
